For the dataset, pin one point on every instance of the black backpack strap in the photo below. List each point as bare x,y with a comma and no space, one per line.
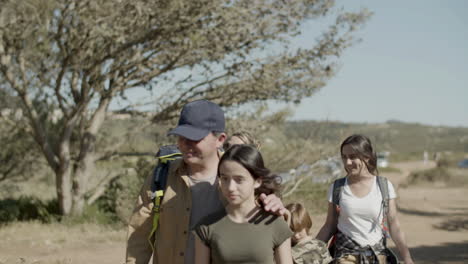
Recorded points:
165,155
337,187
160,176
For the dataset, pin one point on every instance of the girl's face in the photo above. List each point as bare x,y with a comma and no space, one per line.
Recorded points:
236,183
351,161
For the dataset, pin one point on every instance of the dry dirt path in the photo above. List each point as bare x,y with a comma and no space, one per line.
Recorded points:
435,220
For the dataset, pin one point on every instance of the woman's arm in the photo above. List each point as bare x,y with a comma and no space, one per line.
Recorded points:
397,234
283,253
329,228
202,252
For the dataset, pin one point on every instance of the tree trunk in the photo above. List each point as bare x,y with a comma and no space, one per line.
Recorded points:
85,164
80,187
64,191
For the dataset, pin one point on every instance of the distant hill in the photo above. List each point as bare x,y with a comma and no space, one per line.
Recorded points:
403,140
292,143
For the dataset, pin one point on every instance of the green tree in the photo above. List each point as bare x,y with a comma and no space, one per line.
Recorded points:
75,57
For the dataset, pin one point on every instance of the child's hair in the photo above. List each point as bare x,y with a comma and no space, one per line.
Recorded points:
300,218
251,159
245,137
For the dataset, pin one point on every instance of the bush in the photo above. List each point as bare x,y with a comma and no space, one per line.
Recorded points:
439,174
312,195
443,163
92,214
27,208
119,199
389,170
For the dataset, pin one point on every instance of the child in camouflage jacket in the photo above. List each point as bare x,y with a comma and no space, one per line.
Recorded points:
305,250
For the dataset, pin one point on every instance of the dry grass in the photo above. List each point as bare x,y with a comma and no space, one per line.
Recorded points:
33,242
47,234
442,177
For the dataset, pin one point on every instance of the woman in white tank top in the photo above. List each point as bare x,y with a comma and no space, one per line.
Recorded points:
356,222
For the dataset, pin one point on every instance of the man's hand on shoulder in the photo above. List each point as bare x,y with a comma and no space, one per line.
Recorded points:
272,203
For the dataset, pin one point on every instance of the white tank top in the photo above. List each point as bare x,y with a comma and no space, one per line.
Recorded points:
361,218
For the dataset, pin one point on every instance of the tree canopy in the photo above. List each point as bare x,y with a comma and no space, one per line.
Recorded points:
75,57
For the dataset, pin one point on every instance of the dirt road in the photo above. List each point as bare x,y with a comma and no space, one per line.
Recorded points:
435,220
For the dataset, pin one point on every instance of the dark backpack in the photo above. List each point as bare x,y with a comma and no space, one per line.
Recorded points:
382,182
166,155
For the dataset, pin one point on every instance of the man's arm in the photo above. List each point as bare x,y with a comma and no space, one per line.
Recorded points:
139,250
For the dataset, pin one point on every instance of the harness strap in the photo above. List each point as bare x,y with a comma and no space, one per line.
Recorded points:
383,186
156,209
170,157
165,156
337,187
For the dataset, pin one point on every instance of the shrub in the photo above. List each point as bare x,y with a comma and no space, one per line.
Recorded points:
438,174
119,198
27,208
443,163
92,214
389,170
312,195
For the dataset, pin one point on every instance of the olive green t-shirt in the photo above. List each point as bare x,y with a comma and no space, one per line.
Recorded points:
252,242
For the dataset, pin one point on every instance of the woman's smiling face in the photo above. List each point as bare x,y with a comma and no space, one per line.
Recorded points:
352,162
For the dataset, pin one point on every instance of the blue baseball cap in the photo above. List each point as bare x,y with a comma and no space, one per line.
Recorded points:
198,119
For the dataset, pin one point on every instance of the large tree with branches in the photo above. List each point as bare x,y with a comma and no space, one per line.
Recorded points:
76,57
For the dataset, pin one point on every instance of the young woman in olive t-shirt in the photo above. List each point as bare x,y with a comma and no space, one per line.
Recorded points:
243,232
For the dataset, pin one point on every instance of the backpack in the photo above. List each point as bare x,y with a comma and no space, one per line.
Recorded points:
382,182
165,155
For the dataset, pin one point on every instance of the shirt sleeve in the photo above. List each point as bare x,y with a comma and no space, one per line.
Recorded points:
140,225
204,233
281,232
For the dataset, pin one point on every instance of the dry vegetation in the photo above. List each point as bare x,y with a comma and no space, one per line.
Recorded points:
101,230
56,243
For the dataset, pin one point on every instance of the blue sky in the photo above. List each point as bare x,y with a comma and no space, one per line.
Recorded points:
412,66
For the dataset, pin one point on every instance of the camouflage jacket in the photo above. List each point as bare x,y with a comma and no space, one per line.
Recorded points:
311,251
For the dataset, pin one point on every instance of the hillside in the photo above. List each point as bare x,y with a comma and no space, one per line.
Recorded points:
404,140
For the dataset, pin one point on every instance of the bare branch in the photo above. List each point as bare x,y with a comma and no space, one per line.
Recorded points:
39,132
58,85
293,189
101,187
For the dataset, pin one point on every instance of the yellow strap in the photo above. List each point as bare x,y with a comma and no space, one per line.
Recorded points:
166,158
156,208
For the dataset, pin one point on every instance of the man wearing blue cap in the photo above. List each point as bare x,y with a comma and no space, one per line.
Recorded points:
191,192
